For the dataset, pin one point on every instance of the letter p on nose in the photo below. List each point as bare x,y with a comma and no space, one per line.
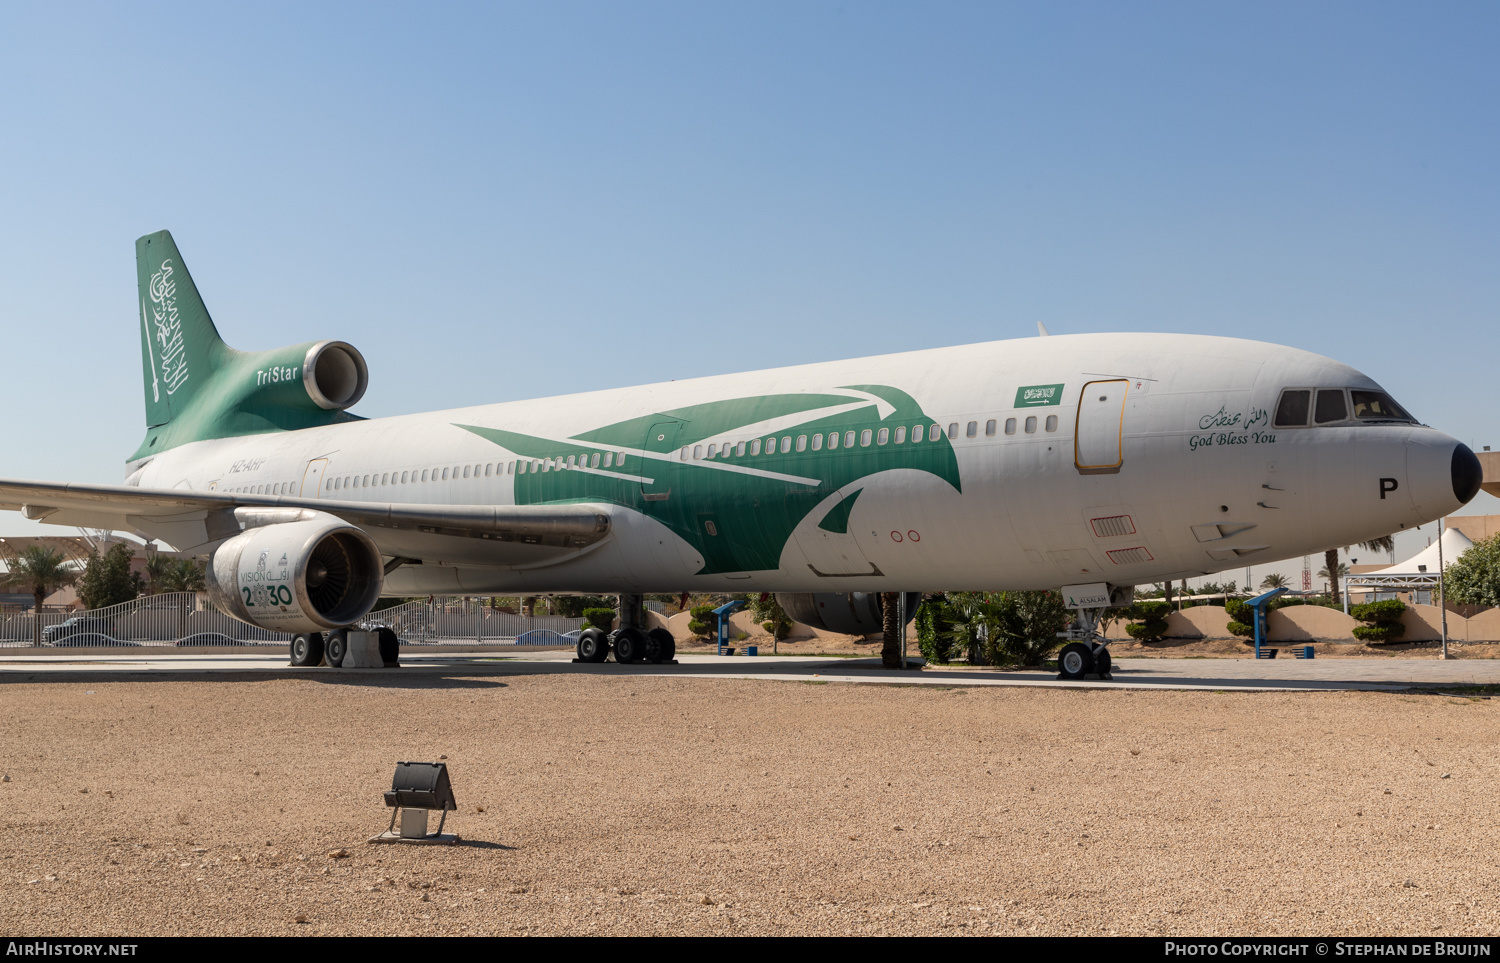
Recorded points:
1387,485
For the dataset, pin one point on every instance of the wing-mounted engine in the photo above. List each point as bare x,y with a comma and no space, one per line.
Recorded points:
311,573
857,613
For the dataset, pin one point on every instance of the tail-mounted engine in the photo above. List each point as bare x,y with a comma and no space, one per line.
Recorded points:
858,613
308,575
335,375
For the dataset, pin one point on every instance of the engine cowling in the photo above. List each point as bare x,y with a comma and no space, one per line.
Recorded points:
310,575
856,613
335,375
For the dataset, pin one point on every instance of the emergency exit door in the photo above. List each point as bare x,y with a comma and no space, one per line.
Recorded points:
1097,442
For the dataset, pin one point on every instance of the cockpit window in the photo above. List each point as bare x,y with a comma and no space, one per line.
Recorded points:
1292,411
1377,406
1331,406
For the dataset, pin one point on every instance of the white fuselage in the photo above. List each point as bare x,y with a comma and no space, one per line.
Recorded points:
1160,461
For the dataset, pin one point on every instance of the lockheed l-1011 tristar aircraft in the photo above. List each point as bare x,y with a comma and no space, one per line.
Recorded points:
1087,462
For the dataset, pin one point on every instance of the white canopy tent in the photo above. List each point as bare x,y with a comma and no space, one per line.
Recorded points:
1418,572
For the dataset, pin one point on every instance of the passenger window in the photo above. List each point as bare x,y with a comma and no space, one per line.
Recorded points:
817,443
916,433
883,436
1377,406
466,471
972,430
697,452
572,462
770,446
1030,424
739,449
864,438
935,433
848,439
786,444
609,458
620,459
802,443
900,434
1331,406
989,427
1051,422
1010,426
594,460
1291,411
712,449
953,430
682,455
510,469
424,474
755,446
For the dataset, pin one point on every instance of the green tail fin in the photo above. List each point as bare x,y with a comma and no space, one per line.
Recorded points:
179,343
199,388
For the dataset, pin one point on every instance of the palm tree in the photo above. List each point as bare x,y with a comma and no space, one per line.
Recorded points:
1385,543
1339,571
43,571
1274,581
176,575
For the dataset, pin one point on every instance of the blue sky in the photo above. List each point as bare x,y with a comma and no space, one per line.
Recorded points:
508,201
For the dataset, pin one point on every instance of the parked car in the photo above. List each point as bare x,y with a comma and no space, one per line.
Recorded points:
80,626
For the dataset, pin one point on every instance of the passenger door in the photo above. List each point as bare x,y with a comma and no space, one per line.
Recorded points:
1098,440
312,478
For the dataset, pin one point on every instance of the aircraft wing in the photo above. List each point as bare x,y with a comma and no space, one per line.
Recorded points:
195,521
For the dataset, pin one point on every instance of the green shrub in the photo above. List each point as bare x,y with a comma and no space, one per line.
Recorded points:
1382,621
704,621
934,626
577,606
600,618
1148,621
1373,613
1241,629
1382,632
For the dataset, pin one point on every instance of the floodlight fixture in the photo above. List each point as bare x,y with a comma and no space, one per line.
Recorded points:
417,788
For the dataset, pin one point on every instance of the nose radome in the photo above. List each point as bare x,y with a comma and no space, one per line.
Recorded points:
1467,473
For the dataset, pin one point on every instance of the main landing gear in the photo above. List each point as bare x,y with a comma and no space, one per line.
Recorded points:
1088,654
630,642
330,648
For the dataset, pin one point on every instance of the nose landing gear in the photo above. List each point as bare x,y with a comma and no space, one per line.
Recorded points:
1087,653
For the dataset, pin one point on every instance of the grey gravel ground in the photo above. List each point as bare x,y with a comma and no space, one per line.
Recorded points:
647,805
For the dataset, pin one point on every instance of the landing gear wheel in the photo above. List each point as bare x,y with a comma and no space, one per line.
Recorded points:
1102,663
1075,661
660,646
593,645
307,648
390,647
335,647
630,646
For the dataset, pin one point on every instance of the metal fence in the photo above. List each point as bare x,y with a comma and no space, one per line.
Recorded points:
186,619
457,620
